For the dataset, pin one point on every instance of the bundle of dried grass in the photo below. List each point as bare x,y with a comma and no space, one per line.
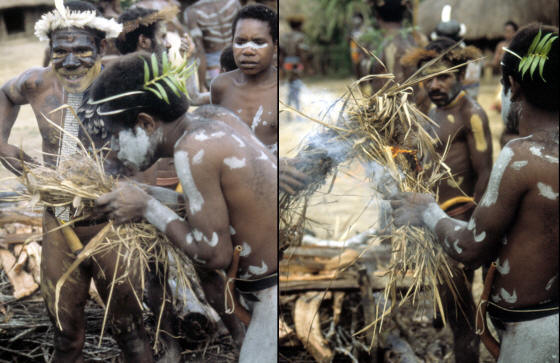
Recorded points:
77,182
388,130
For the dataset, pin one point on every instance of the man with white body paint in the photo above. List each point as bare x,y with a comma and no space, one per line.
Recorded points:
251,90
229,183
516,222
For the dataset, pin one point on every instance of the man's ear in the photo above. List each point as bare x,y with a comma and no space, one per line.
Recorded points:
146,122
144,43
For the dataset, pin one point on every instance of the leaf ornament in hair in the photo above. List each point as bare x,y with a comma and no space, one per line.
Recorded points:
173,76
536,55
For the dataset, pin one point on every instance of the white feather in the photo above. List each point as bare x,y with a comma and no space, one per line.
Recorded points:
446,14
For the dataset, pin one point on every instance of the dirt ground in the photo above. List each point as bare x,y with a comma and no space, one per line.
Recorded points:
348,209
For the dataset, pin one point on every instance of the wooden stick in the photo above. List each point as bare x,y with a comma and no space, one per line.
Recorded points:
238,309
489,342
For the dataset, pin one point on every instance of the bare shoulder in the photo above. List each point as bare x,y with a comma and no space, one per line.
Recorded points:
216,112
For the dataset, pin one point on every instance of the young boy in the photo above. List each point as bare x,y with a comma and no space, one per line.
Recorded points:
251,90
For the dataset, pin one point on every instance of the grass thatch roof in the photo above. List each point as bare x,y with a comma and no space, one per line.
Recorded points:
486,18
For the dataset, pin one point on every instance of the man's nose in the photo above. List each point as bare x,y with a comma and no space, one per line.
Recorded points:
249,50
71,61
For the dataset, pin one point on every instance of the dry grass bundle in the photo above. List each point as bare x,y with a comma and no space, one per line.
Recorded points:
384,129
77,183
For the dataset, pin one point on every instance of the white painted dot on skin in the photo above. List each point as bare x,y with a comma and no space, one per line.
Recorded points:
503,268
197,158
201,136
496,298
551,159
159,215
471,224
189,238
479,237
536,150
457,228
246,249
446,242
507,297
257,118
245,275
546,191
550,282
239,141
457,248
265,123
183,168
213,242
217,135
262,156
198,260
234,163
256,270
517,165
491,195
197,235
270,112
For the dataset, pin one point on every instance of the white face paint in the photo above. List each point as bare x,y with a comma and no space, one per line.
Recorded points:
506,104
137,149
491,195
159,215
239,141
183,168
249,44
234,163
512,299
503,268
197,158
547,191
257,118
258,270
246,250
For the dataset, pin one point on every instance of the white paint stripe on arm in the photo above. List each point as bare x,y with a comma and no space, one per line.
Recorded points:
491,195
159,215
432,215
187,182
239,141
197,158
257,118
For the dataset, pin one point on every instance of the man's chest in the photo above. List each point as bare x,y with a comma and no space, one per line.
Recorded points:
450,125
255,108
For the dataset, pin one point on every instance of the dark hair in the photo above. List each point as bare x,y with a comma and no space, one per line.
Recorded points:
512,24
127,74
262,13
77,5
391,10
129,42
441,44
226,59
538,92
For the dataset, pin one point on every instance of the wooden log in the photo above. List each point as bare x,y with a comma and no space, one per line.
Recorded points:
308,326
7,217
286,334
21,281
347,282
14,238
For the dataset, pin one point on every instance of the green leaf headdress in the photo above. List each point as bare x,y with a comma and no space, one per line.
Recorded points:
536,55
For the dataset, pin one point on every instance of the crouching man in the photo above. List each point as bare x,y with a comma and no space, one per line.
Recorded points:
229,183
515,225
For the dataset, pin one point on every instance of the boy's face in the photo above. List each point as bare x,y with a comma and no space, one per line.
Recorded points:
253,48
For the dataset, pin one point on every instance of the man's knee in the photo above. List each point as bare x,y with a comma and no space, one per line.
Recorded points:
68,344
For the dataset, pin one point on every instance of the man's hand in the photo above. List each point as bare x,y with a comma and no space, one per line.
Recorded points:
125,203
291,180
187,46
409,208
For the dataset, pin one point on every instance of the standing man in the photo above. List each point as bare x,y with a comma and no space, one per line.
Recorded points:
76,34
251,90
516,222
229,184
292,54
209,24
464,125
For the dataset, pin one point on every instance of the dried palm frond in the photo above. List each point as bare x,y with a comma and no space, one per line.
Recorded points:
385,129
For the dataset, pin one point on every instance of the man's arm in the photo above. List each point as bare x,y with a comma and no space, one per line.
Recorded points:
216,89
478,241
12,95
479,140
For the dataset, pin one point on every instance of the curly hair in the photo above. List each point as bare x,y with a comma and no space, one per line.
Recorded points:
262,13
539,91
128,42
126,74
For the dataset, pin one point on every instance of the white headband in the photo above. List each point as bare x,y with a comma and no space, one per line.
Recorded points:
62,17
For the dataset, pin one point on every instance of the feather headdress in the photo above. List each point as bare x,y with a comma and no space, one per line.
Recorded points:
63,17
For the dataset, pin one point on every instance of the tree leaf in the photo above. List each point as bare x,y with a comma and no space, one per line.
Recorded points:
146,71
158,95
534,64
541,67
170,84
155,68
542,44
534,43
162,91
526,66
164,62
